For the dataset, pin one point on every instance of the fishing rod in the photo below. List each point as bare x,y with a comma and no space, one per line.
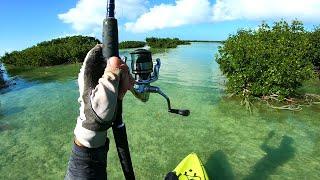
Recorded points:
111,48
144,74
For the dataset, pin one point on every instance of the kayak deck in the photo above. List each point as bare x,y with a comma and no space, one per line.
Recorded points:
191,167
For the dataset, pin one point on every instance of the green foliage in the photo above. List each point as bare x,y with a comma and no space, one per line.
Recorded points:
208,41
57,51
314,50
165,42
267,61
131,44
2,82
45,74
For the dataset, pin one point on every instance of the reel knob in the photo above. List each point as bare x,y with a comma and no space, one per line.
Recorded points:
182,112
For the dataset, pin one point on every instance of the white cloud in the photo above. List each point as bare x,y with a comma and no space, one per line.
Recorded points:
306,10
191,12
169,15
88,15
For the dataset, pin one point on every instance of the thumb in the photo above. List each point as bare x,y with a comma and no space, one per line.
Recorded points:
114,62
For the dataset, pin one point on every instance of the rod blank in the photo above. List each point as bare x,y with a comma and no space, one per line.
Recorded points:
110,8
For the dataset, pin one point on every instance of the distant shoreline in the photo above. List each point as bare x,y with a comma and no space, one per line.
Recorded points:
205,41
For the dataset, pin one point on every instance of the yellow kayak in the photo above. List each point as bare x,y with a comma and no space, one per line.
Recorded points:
191,167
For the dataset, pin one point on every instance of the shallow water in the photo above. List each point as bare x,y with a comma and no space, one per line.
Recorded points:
37,117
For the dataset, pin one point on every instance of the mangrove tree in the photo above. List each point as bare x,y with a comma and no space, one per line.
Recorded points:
165,42
131,44
268,61
57,51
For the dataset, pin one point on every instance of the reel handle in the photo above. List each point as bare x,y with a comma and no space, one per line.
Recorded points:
182,112
154,89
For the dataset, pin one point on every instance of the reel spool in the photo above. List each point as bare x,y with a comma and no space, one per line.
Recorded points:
144,74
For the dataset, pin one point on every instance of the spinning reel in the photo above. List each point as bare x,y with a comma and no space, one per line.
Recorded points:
144,74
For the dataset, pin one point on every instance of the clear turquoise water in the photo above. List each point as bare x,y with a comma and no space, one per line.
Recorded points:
37,117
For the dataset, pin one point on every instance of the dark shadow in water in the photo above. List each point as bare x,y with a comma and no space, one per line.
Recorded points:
5,127
45,74
14,110
27,82
218,167
42,79
11,111
18,84
274,158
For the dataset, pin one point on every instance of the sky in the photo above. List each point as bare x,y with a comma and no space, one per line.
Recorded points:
26,23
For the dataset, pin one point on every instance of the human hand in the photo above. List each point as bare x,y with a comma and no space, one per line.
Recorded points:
126,79
100,85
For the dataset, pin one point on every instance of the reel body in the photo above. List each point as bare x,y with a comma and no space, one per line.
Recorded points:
144,74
